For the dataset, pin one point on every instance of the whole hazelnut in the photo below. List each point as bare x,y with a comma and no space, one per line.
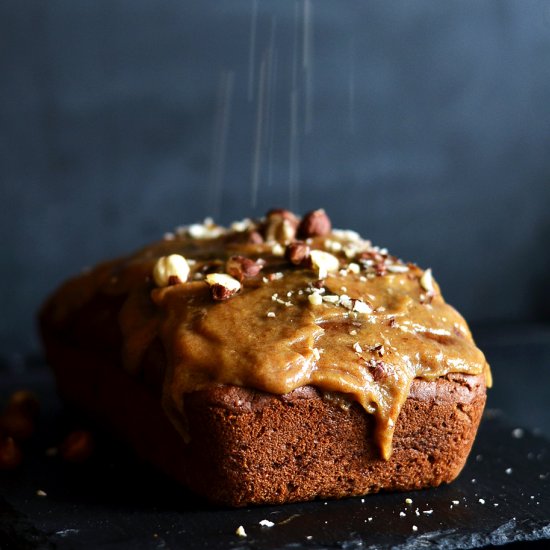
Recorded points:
314,224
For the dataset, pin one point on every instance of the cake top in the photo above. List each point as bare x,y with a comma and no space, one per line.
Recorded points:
278,303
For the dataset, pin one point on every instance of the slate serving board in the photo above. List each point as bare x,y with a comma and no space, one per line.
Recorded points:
113,501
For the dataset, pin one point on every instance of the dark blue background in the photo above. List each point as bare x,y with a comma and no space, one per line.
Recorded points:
424,125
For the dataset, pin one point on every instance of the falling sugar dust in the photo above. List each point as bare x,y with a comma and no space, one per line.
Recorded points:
279,91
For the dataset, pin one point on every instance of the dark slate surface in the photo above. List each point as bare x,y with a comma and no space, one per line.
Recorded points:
115,502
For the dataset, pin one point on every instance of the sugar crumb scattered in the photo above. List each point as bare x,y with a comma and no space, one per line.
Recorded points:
240,531
518,433
266,523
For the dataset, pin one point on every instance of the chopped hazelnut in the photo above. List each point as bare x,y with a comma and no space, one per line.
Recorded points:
315,299
222,285
242,268
280,226
173,265
426,281
398,268
277,250
379,370
361,307
255,238
241,226
297,252
324,262
314,224
206,230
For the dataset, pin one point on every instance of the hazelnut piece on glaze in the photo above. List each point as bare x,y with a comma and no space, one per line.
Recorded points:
314,224
280,226
222,285
297,252
324,262
170,269
241,267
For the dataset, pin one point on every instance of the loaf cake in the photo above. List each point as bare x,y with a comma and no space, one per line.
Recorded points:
274,361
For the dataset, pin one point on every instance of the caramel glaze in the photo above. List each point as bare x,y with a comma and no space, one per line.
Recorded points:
370,358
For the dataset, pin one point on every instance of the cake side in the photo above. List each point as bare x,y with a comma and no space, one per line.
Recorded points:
250,447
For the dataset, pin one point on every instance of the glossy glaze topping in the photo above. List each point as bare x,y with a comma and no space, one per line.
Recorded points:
280,303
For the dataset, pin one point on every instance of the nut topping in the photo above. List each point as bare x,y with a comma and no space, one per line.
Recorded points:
426,281
255,238
280,226
314,224
170,266
297,252
379,370
222,285
241,268
315,299
324,262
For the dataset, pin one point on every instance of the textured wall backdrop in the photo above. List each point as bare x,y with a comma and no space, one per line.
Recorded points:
425,125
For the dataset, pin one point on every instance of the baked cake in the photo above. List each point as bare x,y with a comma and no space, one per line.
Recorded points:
273,361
